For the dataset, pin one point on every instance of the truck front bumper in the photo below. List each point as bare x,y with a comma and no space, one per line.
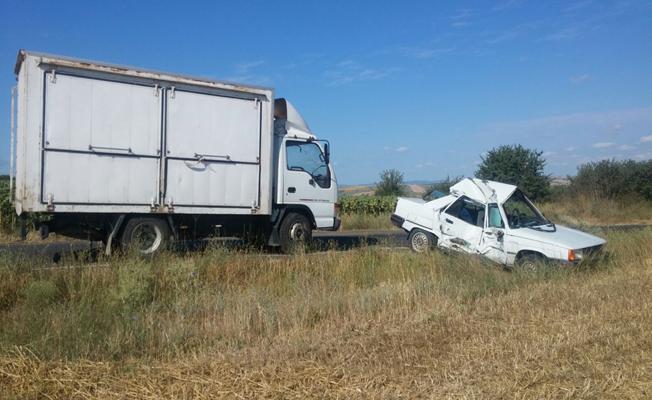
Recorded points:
336,225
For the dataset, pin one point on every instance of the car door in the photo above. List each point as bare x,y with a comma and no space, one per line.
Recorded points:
462,225
492,244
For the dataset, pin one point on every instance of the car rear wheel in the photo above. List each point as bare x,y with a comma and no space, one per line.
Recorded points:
421,241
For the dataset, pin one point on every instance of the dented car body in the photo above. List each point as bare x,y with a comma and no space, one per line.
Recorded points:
494,220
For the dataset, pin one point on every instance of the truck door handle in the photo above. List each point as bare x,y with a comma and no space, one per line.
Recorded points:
449,221
292,189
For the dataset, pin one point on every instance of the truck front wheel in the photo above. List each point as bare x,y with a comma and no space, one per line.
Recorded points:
295,232
145,236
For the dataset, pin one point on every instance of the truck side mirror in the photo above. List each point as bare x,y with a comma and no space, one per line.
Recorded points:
327,153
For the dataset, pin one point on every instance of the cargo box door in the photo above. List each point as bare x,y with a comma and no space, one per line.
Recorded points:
213,150
101,141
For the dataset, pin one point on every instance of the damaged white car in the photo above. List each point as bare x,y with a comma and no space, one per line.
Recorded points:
494,220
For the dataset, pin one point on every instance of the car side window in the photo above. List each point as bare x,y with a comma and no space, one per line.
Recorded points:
495,219
468,211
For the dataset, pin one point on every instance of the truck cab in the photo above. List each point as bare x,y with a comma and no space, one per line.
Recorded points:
305,179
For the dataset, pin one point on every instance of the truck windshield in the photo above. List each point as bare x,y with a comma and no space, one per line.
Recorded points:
308,157
521,213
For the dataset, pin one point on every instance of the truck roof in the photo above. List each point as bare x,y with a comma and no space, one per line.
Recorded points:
63,61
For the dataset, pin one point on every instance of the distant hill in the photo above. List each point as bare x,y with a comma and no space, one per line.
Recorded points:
417,188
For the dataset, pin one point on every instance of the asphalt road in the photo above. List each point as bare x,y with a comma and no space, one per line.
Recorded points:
52,251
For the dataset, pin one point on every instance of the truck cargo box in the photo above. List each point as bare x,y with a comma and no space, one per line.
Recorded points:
93,137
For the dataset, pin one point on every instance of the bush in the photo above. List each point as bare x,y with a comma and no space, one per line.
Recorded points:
614,179
518,166
7,211
391,183
368,205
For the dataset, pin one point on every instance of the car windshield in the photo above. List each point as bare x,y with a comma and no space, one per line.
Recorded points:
521,213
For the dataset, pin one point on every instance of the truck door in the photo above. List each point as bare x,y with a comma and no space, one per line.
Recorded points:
462,225
213,150
307,179
492,244
101,141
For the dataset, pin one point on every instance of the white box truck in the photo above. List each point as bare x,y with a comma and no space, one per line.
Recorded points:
139,158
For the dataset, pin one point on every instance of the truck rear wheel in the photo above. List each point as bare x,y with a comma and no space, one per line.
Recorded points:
295,232
145,236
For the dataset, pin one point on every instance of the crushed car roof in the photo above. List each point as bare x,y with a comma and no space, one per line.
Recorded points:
482,190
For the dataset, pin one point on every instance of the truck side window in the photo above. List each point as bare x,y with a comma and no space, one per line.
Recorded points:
308,157
495,219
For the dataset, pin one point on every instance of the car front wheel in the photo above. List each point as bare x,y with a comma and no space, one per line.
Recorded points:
530,262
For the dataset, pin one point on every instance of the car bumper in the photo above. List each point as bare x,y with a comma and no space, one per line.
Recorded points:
397,221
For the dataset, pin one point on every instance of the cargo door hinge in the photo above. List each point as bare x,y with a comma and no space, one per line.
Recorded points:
156,90
256,102
172,92
53,76
50,205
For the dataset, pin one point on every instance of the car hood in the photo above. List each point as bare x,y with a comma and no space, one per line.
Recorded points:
562,236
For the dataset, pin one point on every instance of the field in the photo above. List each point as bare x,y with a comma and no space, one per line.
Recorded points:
361,324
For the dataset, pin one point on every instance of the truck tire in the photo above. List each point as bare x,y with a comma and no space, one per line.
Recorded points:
145,236
421,241
295,232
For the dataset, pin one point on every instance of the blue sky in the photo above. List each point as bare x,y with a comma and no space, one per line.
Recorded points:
424,87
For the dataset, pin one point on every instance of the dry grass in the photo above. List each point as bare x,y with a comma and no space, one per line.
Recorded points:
363,324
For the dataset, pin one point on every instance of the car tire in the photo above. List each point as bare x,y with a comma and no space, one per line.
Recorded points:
145,236
421,241
295,232
530,262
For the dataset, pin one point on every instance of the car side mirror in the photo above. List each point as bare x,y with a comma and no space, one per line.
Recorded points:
500,235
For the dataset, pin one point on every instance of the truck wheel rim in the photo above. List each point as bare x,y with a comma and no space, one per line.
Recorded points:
146,238
297,232
420,242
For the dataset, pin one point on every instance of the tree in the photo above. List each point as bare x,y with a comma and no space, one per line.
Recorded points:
518,166
443,186
391,183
